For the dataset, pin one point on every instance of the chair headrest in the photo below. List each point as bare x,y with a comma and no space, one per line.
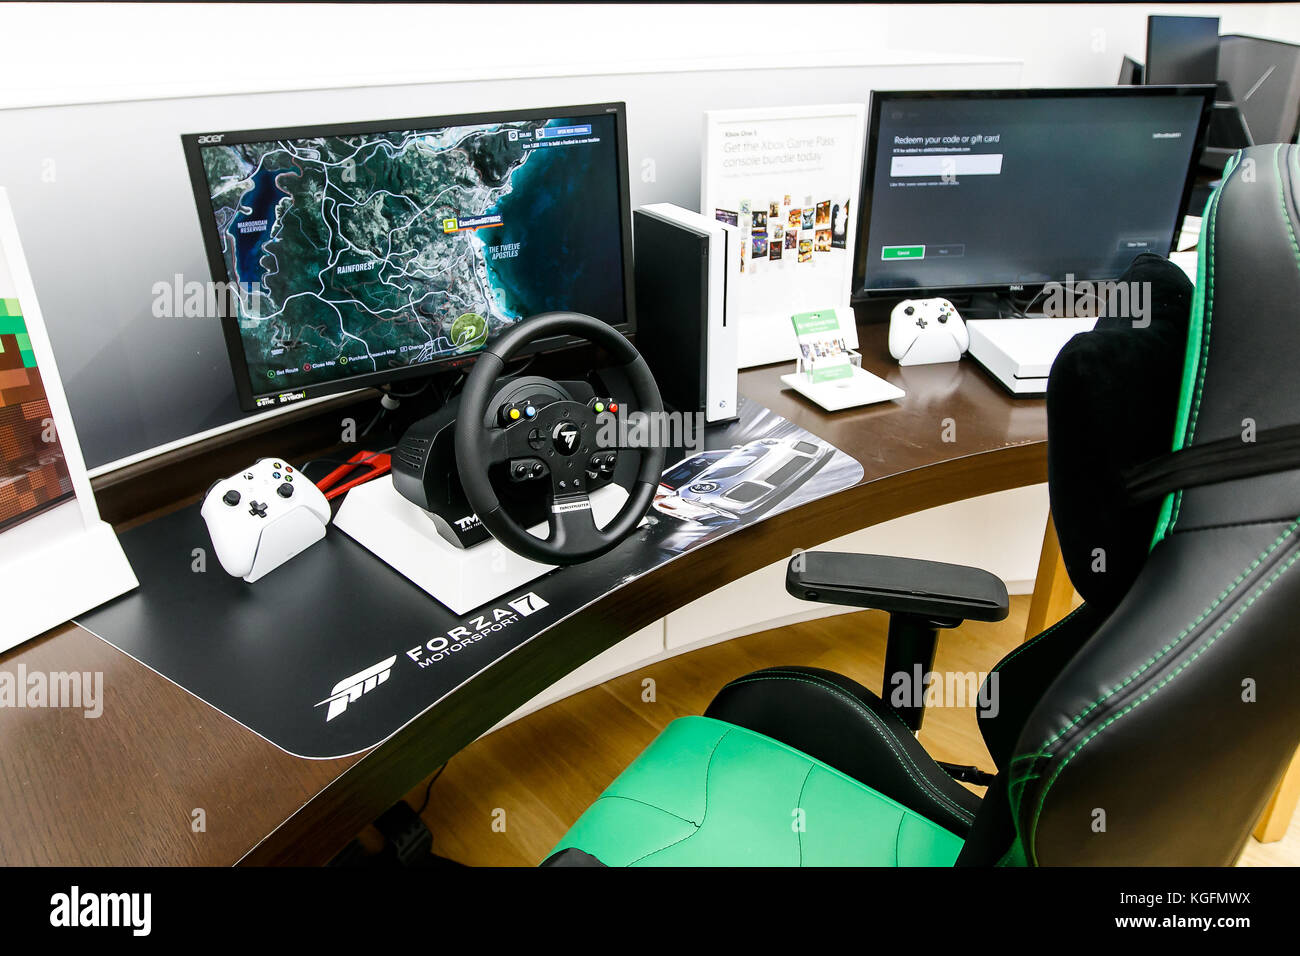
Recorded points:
1112,398
1243,351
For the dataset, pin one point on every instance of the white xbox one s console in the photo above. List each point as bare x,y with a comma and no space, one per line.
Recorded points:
1019,352
684,330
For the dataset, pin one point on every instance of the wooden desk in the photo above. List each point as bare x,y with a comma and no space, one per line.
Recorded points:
122,789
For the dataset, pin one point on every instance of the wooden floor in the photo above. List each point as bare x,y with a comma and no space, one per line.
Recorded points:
508,798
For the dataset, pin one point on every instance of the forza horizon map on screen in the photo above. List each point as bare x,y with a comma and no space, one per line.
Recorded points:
359,253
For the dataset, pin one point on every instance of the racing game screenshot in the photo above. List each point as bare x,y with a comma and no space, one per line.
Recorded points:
357,253
1001,191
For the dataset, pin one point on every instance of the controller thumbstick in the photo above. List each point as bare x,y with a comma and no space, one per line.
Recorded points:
231,497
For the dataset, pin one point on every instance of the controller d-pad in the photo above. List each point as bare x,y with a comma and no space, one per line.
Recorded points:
921,323
257,508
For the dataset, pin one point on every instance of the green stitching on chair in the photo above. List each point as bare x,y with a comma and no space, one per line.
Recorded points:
798,833
1016,652
1250,569
1195,334
1160,684
941,799
703,816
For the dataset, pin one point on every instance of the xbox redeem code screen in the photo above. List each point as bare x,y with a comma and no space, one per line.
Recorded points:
354,254
979,192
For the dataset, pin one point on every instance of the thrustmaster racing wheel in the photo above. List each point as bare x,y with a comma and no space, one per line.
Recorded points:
554,444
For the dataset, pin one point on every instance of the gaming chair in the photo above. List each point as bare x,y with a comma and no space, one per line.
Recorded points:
1147,727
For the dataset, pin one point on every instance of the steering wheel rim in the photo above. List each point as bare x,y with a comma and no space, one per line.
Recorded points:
572,534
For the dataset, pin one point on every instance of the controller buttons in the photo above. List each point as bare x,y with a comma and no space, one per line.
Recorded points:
285,490
530,411
525,469
231,497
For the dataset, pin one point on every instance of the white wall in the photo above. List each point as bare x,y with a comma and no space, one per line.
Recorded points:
63,53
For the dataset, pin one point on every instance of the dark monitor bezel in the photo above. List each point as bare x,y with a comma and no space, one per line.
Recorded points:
248,398
879,98
1131,72
1146,75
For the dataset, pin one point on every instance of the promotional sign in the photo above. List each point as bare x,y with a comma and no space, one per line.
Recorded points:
788,178
57,558
334,651
823,349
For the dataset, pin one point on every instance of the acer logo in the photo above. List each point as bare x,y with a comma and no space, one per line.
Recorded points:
212,138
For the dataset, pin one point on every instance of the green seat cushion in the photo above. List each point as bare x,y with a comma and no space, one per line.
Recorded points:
709,793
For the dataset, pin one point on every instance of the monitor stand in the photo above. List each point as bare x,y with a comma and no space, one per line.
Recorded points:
994,305
401,534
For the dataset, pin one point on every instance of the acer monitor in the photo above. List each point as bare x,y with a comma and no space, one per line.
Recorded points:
359,254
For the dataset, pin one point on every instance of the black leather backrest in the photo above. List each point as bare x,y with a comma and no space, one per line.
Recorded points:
1111,403
1162,738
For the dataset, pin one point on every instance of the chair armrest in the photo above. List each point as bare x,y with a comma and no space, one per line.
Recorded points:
931,589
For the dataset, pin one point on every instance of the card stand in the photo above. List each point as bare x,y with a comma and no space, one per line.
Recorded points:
859,388
802,366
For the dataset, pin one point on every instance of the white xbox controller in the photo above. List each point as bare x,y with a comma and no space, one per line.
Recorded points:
262,517
926,331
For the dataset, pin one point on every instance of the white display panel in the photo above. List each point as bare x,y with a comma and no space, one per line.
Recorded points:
788,178
57,558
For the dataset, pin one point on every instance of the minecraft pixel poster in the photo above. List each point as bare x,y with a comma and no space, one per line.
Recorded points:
33,473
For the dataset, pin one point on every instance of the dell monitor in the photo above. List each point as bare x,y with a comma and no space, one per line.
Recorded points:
997,191
1131,72
1182,50
359,254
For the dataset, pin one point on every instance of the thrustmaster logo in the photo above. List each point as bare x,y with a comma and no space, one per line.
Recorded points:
350,689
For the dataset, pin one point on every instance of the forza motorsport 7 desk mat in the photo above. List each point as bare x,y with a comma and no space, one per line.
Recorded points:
313,657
